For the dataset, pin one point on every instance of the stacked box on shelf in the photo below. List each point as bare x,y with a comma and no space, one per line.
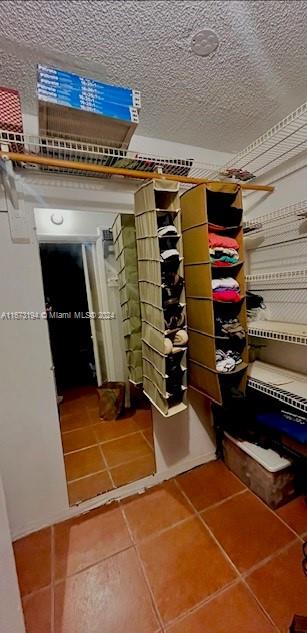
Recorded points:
84,108
154,201
201,214
126,259
69,85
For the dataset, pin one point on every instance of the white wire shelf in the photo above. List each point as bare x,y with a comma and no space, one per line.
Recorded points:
278,276
297,210
288,387
285,140
79,151
277,331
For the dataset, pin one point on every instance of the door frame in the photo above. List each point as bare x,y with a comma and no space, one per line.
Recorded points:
91,309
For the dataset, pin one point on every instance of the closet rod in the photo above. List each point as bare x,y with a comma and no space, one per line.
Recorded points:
116,171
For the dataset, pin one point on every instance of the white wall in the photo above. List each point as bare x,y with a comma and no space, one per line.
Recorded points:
76,224
30,448
11,617
185,440
170,149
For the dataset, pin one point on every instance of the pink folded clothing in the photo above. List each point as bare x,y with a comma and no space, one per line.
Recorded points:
226,295
219,262
222,240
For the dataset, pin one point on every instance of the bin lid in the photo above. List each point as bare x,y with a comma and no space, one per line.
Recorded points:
266,457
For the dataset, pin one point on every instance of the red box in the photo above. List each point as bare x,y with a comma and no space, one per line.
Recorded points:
10,110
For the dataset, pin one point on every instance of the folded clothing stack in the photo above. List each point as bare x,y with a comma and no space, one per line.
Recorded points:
227,361
229,328
226,289
223,250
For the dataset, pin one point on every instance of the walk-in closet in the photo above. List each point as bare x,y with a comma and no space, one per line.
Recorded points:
153,304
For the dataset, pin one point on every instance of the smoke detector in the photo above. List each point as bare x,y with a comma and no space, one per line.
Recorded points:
204,43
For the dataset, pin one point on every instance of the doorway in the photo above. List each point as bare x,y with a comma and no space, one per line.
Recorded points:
67,307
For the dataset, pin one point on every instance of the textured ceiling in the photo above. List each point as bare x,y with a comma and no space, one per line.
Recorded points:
256,77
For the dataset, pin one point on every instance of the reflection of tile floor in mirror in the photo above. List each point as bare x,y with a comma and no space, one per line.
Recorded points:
101,455
196,554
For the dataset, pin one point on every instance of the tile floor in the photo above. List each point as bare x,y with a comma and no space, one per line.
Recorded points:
199,553
100,455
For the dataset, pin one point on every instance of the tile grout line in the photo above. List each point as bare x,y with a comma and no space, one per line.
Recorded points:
246,489
242,579
274,513
268,559
79,450
198,514
143,571
36,591
166,529
146,440
52,606
261,606
99,441
103,457
96,472
130,461
84,569
108,470
213,505
203,603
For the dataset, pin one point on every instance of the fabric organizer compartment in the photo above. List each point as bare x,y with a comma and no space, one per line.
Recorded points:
199,273
124,238
160,261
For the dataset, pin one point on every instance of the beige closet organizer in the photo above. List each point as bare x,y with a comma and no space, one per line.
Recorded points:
199,272
155,198
126,260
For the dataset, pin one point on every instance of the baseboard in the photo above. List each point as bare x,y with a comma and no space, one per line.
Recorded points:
113,495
